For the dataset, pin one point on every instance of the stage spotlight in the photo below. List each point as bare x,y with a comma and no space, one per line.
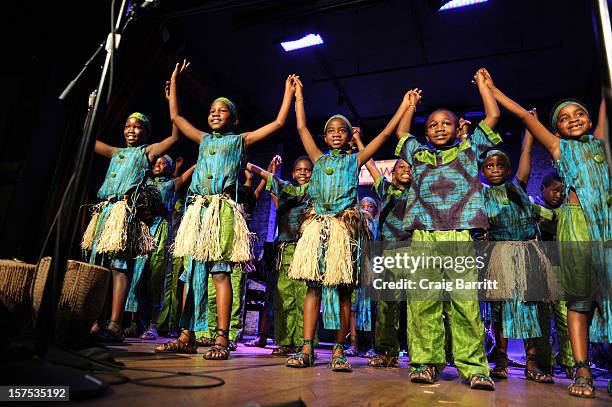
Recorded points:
309,40
443,5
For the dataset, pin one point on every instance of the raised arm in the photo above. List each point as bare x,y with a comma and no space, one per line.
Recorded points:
267,130
158,149
300,115
524,166
405,123
537,129
602,120
373,146
181,123
488,100
184,178
104,149
372,168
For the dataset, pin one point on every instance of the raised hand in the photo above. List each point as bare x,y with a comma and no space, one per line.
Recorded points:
356,134
167,90
180,69
290,83
414,96
299,87
464,128
486,78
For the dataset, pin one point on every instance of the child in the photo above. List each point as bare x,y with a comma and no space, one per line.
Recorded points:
361,301
213,231
327,253
512,219
585,216
288,298
247,199
111,230
150,271
445,205
393,196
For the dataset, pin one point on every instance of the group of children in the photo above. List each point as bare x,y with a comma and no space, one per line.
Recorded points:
435,196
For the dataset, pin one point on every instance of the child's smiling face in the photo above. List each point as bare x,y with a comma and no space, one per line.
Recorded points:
573,121
337,133
220,116
402,174
302,171
134,132
441,128
496,169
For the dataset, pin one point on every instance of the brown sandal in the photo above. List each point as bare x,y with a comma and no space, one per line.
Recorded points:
426,374
222,350
383,361
179,346
500,371
536,375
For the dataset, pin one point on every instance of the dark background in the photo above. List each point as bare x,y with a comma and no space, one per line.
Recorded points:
537,51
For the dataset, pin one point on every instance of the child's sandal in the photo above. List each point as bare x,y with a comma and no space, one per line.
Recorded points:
383,361
178,346
426,374
582,383
303,359
481,381
339,363
205,342
500,371
219,351
535,375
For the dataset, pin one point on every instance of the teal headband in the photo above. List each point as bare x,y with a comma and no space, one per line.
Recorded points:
230,105
339,116
170,162
555,114
499,153
144,119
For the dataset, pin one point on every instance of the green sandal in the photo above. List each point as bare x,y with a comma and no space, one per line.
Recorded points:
339,363
582,383
303,359
426,374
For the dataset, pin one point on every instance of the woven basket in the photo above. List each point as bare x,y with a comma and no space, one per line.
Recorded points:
40,281
16,280
82,300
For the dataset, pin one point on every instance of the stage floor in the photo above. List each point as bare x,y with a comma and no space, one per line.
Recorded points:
253,377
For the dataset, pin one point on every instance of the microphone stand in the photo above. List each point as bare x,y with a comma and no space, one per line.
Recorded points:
40,370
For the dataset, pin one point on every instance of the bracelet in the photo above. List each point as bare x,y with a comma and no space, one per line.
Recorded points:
297,100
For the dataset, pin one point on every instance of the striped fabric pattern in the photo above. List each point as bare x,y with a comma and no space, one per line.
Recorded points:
220,158
392,206
293,200
334,182
446,193
510,211
127,167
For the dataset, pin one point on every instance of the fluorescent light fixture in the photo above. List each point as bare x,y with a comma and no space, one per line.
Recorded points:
308,40
460,3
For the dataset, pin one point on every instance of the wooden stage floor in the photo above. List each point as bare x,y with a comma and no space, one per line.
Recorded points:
253,377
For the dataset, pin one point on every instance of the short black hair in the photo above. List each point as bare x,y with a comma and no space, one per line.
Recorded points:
452,114
302,158
550,178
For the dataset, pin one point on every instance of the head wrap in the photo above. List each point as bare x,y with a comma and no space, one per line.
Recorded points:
555,115
339,116
170,161
143,118
230,105
370,200
498,153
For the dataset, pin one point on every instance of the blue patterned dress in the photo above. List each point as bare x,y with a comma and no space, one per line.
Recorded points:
127,168
512,218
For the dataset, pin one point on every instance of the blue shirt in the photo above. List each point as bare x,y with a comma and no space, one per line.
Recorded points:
334,182
127,168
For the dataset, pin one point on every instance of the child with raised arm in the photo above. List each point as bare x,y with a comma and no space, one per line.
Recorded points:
446,206
146,289
393,196
288,298
585,216
112,231
515,258
327,254
213,231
